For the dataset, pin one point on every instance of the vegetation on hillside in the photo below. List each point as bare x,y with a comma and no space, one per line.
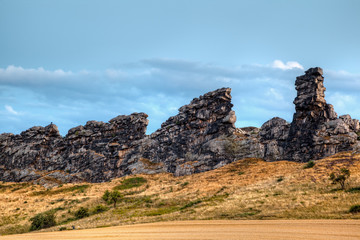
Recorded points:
246,189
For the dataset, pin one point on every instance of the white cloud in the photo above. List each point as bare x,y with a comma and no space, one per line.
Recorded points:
15,72
10,110
286,66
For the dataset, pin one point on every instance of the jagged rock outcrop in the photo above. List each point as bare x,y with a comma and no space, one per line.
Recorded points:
201,137
188,142
96,150
315,131
92,152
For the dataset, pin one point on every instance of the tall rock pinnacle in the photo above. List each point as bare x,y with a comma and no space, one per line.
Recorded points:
314,121
310,103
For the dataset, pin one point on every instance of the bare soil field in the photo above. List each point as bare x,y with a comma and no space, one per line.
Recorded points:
211,230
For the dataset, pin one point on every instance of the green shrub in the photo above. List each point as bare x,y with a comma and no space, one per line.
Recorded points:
354,189
184,184
280,179
355,209
131,183
340,177
42,220
191,204
99,209
309,164
82,213
112,197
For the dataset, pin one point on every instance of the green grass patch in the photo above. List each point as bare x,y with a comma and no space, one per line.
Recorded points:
191,204
130,183
184,184
161,211
15,229
76,189
13,187
309,164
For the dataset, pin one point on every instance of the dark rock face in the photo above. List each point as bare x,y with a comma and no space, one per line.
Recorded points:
201,137
183,144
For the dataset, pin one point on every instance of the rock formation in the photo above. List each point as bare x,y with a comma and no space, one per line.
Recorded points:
315,131
200,138
184,143
92,152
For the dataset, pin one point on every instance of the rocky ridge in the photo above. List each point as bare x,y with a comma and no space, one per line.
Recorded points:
200,138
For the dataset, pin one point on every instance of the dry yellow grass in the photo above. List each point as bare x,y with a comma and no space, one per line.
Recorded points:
246,189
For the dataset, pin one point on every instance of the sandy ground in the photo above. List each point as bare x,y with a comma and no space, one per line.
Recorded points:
209,230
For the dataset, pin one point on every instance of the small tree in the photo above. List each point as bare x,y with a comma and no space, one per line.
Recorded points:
340,178
42,220
112,197
81,213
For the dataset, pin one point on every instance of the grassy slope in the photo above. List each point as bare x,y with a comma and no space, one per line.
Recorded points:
246,189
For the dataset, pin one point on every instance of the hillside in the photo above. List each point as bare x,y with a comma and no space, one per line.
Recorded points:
245,189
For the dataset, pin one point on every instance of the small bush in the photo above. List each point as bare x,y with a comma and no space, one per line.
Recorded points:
354,190
112,197
42,220
62,229
309,164
280,179
82,213
184,184
191,204
340,177
355,209
99,209
131,183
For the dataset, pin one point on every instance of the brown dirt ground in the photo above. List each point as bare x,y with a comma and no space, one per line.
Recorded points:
211,230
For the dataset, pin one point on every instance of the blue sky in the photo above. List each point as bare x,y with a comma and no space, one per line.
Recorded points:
71,61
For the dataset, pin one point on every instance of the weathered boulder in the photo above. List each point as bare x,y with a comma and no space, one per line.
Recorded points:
274,134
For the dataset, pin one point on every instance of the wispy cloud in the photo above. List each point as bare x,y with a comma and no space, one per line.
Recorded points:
10,110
